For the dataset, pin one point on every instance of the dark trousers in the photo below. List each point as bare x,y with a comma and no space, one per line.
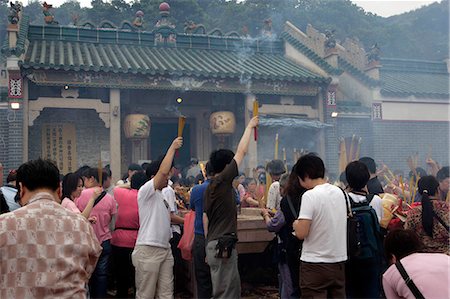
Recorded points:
179,271
322,280
123,270
201,268
99,280
363,278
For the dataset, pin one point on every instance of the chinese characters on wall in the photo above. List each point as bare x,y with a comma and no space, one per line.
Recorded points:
59,145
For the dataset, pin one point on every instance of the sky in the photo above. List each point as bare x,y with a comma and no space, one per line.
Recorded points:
384,8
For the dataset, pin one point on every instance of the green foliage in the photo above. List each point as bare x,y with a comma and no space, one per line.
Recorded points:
422,34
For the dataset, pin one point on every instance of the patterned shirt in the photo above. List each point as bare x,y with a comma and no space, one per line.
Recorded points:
440,240
46,251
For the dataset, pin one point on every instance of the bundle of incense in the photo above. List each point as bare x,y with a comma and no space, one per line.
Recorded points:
181,123
203,170
415,190
268,183
411,182
276,147
388,179
403,188
100,173
255,113
358,148
295,155
284,159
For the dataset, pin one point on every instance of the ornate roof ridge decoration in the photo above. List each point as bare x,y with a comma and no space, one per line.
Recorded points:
21,44
296,43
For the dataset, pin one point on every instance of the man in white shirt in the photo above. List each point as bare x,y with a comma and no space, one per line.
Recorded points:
152,256
322,224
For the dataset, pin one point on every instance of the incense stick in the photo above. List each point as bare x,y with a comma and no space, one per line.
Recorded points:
100,172
255,113
276,147
403,188
181,123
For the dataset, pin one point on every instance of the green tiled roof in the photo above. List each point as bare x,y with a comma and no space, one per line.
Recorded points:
425,79
310,54
344,64
120,51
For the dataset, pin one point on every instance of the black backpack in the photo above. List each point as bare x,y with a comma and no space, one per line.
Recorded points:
363,230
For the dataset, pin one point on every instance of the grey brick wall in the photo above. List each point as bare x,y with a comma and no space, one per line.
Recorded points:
4,132
92,136
15,138
394,141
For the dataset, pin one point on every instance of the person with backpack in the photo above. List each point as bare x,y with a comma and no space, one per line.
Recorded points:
322,225
363,268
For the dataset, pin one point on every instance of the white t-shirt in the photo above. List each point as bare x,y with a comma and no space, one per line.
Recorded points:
274,196
376,203
326,242
154,217
169,195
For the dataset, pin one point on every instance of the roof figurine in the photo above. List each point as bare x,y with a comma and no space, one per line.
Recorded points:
138,21
165,31
330,42
49,18
267,28
191,27
373,56
14,11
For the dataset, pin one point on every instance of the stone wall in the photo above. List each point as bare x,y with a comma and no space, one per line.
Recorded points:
91,134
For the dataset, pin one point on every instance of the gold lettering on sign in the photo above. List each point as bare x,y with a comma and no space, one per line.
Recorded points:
59,145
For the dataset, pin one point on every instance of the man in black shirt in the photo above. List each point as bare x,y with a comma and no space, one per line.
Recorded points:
373,185
220,218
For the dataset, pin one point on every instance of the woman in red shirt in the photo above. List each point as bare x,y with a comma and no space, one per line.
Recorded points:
125,233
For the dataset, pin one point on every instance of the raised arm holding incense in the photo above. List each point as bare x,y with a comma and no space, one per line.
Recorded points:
245,140
162,176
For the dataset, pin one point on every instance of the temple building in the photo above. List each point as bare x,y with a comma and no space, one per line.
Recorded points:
110,94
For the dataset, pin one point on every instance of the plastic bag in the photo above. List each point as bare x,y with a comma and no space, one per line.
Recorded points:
186,241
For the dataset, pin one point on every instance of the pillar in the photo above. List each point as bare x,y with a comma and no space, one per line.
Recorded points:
25,121
114,134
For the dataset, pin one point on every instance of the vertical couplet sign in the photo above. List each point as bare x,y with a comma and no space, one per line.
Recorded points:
59,145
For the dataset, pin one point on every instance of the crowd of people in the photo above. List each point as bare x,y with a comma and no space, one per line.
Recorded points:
367,235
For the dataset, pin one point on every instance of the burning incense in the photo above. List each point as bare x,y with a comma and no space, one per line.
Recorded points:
203,170
268,183
415,189
255,113
295,155
403,188
411,182
181,123
276,147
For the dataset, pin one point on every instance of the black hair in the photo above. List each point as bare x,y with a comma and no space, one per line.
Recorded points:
138,180
401,243
293,189
134,166
152,168
427,186
145,165
12,175
199,178
82,170
276,167
357,175
219,159
370,163
36,174
247,181
70,184
93,172
443,173
208,169
310,166
4,208
106,172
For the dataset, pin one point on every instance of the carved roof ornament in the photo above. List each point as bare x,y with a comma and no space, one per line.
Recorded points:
164,29
330,41
373,56
14,10
138,21
267,27
191,27
49,18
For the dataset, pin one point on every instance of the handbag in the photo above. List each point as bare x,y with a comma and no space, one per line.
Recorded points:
187,239
409,282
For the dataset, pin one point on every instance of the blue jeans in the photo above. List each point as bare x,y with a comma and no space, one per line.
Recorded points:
99,280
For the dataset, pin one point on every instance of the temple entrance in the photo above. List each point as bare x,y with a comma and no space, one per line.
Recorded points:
163,131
